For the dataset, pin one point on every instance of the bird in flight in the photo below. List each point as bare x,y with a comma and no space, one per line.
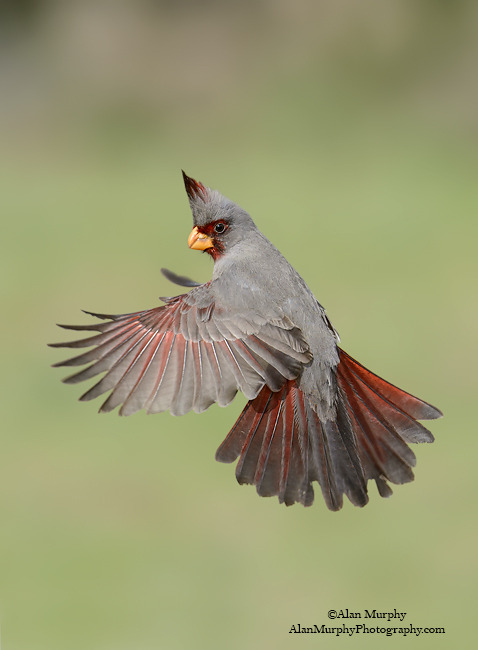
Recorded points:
314,413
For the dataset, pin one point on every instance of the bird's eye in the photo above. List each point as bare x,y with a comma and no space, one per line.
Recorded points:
220,227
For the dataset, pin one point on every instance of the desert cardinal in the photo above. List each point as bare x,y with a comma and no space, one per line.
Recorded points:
314,413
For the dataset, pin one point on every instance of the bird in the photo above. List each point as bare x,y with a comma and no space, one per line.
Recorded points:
314,415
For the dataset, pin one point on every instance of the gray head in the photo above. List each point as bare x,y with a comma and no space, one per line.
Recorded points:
219,223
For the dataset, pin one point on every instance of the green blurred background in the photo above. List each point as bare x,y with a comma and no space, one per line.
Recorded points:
348,130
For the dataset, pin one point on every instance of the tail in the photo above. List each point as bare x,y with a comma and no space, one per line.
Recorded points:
283,446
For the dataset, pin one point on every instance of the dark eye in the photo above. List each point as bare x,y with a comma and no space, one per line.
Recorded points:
220,227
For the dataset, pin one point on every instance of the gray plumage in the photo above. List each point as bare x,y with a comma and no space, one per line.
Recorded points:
314,414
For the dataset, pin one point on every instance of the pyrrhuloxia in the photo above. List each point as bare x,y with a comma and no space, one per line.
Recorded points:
314,413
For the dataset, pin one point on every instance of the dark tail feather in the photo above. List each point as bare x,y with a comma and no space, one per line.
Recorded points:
384,419
282,447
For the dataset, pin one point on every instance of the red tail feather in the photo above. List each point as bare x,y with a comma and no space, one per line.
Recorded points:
412,406
384,419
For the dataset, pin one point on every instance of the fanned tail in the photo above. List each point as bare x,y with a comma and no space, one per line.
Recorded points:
283,445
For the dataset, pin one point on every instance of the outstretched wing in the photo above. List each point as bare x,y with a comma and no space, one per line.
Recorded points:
185,355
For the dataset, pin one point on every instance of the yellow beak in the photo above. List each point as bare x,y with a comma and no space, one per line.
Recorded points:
199,241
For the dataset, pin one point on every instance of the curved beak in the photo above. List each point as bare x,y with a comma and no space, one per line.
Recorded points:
199,241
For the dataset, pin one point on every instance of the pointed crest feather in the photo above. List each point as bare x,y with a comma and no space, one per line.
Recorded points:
194,188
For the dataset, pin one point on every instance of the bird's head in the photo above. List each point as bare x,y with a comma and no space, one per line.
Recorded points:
219,224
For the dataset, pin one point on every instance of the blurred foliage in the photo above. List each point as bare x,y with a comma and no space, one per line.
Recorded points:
348,130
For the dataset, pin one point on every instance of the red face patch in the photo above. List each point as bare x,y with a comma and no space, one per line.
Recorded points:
214,230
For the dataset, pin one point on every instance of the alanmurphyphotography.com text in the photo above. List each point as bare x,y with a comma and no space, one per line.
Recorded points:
381,617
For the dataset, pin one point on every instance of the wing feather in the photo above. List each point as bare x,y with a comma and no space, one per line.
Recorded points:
186,355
